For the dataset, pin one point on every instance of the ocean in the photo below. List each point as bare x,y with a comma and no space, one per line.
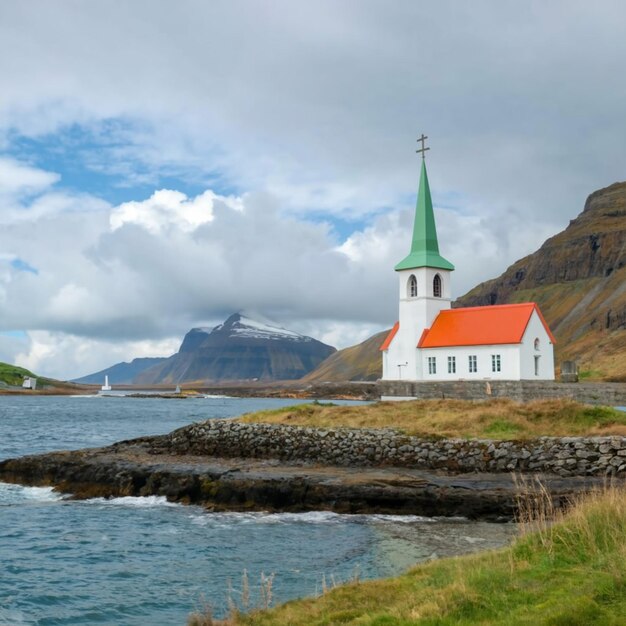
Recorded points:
144,561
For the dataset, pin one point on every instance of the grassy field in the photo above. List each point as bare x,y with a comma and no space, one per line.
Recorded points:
569,573
493,419
12,374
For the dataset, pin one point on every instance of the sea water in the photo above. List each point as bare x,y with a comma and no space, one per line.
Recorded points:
144,561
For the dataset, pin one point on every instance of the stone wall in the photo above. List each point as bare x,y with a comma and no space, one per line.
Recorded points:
611,394
565,456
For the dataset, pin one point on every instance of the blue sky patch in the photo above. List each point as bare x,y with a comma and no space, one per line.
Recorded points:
21,266
108,160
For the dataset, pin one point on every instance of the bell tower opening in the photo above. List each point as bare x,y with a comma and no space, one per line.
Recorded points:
437,291
412,287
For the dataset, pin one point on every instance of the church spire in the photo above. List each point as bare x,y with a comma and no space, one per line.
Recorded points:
424,247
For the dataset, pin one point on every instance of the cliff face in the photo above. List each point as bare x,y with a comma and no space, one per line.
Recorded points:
241,348
578,278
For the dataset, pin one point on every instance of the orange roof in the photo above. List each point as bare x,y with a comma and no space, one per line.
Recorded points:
390,336
481,326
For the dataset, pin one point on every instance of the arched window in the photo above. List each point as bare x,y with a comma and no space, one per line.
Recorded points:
437,286
412,287
537,343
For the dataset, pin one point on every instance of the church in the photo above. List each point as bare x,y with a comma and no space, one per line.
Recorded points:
433,342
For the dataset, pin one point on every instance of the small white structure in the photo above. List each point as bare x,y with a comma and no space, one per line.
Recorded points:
106,386
29,383
433,342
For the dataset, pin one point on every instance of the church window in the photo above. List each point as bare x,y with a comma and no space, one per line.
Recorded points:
473,363
495,363
432,364
537,365
437,286
537,343
451,365
412,287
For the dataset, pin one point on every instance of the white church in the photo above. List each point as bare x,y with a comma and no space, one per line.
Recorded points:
433,342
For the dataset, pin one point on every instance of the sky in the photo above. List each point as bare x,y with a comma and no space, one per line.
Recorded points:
165,164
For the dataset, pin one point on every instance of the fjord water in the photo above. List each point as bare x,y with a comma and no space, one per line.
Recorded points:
144,561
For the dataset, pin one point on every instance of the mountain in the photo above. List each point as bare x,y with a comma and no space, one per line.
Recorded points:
120,373
242,348
578,278
360,362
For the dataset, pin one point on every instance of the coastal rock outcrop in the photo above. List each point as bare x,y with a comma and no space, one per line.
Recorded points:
225,465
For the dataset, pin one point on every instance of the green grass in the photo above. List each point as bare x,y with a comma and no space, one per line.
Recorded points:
569,573
13,375
590,375
491,419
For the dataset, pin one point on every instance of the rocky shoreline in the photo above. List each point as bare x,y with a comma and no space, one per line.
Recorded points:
185,473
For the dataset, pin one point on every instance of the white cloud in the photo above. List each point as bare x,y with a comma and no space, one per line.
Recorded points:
145,272
18,179
61,356
166,208
308,109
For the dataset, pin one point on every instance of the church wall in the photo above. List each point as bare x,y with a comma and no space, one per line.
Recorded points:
509,362
545,352
400,352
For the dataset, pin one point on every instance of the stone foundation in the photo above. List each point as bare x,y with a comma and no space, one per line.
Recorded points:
611,394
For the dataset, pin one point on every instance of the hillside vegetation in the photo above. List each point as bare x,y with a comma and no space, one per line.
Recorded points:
491,419
571,573
13,375
360,362
578,278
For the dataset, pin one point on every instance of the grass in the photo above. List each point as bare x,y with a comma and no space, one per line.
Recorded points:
492,419
13,375
568,573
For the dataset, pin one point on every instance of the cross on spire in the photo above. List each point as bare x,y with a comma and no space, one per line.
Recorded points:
423,149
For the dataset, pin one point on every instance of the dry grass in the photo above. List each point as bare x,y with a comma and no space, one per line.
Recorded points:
492,419
239,602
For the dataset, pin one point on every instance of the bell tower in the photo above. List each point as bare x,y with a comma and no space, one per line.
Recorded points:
424,288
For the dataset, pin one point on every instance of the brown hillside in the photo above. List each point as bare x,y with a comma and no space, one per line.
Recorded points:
360,362
578,278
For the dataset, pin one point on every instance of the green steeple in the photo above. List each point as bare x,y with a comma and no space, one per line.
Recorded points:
424,247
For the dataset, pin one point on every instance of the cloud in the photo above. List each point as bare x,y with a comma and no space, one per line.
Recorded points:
166,209
20,179
144,272
61,356
320,105
252,133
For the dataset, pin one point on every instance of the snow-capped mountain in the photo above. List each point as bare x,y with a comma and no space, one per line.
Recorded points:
245,347
243,325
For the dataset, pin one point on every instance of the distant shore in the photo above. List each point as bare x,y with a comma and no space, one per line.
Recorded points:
281,389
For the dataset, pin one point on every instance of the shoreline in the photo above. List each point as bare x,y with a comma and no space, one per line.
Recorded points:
330,391
236,482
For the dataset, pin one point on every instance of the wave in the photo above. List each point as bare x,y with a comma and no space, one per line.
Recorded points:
12,617
13,494
141,502
310,517
210,396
